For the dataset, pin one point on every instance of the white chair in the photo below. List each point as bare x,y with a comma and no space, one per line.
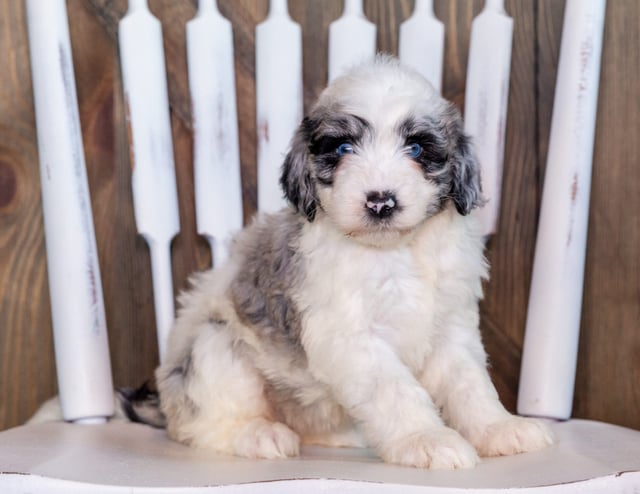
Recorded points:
122,457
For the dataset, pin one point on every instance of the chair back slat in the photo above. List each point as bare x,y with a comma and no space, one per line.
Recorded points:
352,39
155,196
216,154
485,103
278,98
550,349
75,286
421,43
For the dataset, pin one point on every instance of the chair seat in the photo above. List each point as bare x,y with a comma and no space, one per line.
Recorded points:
124,457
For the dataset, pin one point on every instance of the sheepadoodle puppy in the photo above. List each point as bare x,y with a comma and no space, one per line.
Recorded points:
351,317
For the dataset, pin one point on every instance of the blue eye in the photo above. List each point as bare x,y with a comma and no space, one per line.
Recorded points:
415,150
344,148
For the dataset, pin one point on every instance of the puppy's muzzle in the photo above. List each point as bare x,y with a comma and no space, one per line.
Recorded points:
381,205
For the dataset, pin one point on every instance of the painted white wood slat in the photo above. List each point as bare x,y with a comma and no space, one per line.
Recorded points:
218,191
75,287
553,320
486,99
421,43
352,39
278,98
155,196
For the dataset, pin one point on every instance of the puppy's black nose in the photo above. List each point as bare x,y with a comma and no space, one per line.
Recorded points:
381,205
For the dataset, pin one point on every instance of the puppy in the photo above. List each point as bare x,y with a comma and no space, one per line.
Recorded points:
351,317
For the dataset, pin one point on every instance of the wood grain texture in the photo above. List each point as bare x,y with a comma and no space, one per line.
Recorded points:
510,251
609,360
608,375
27,373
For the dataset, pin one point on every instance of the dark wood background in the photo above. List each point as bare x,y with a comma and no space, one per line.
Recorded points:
608,380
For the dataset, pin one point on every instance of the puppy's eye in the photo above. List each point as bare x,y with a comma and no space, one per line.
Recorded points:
415,150
344,148
426,149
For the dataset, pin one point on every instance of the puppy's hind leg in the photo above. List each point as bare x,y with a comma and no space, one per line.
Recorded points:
213,398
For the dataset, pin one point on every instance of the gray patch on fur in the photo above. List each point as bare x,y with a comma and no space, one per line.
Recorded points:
297,180
173,383
448,159
141,405
466,189
262,292
326,131
217,320
312,156
183,370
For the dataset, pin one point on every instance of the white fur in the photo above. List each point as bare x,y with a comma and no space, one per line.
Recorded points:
389,319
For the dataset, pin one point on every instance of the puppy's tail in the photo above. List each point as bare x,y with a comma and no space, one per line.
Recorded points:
140,405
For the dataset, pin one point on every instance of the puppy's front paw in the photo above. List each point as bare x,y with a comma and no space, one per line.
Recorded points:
261,438
440,448
514,435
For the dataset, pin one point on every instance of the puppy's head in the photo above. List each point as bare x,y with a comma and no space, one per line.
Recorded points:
380,153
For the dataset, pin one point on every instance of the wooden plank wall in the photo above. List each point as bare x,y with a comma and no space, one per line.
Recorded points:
609,362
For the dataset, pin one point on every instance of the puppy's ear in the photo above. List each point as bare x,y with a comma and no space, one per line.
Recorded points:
296,180
466,190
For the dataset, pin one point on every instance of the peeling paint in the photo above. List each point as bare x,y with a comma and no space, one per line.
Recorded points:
81,185
586,60
263,131
574,195
221,138
574,189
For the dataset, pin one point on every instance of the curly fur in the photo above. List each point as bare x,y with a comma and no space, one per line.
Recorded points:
351,318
